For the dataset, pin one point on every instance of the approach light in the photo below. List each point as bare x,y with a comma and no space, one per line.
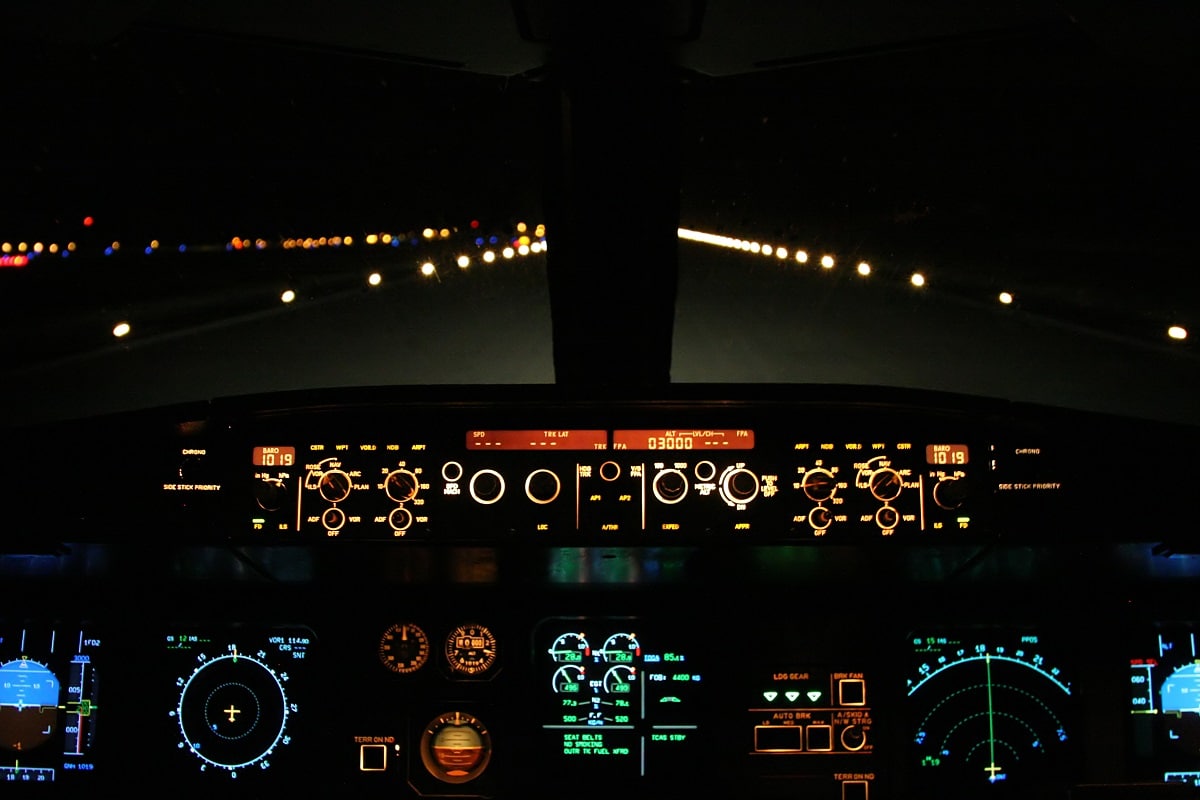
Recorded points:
802,256
121,329
508,252
781,253
827,262
1006,298
374,279
287,296
464,262
917,279
427,269
488,256
1177,332
864,268
767,249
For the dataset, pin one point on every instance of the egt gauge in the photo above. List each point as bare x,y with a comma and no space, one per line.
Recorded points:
988,712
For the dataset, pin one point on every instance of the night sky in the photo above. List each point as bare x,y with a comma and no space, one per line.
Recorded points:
1046,163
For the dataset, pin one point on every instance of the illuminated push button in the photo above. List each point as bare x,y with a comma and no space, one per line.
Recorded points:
820,738
853,737
670,486
542,486
334,486
855,790
706,471
610,470
452,471
852,692
372,758
487,486
778,739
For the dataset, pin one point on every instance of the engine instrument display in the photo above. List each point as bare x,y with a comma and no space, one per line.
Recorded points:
1164,683
988,709
48,703
617,696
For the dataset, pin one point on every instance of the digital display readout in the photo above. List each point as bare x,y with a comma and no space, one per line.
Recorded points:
537,440
684,439
946,454
274,456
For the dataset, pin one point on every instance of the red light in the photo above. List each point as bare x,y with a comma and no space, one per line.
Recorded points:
474,224
88,222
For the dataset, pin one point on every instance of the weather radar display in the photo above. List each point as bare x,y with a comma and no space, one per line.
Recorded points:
990,712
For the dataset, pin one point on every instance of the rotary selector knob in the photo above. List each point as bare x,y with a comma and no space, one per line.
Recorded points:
401,485
950,493
820,518
542,486
487,486
886,484
887,518
335,485
270,494
739,485
670,486
401,519
334,519
853,737
818,485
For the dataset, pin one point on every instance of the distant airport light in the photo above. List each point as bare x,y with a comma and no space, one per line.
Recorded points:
183,248
429,233
864,268
374,279
121,329
508,252
464,262
1177,332
116,246
767,250
1006,298
535,247
38,247
827,262
488,256
347,240
287,296
260,244
386,238
71,247
521,227
781,253
539,231
523,249
23,247
88,222
372,238
6,248
802,256
427,269
917,279
53,248
444,233
154,244
545,245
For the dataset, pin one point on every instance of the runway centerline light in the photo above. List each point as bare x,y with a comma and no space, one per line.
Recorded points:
827,262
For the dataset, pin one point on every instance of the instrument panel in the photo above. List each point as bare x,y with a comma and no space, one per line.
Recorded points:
758,599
